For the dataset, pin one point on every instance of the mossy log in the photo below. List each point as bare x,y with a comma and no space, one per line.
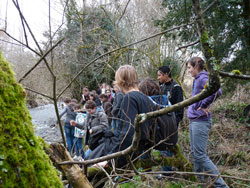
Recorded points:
74,173
23,162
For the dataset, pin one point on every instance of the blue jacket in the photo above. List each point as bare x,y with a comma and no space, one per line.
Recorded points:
198,85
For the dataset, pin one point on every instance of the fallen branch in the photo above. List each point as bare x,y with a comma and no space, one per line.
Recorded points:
74,174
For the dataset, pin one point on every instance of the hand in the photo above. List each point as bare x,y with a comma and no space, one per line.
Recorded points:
90,131
83,97
72,123
101,164
206,110
52,126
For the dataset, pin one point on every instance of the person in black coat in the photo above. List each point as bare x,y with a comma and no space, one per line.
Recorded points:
171,88
134,102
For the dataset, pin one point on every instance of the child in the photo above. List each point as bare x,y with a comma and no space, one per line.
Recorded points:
79,133
95,121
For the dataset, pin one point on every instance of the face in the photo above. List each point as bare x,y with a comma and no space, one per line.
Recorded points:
91,97
193,71
91,111
84,91
108,93
162,77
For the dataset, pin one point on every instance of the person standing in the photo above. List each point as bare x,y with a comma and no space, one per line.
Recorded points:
201,122
171,88
68,129
173,91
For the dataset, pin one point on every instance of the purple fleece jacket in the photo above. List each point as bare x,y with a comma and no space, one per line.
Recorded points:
198,85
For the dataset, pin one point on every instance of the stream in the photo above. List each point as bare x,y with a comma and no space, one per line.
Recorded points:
42,118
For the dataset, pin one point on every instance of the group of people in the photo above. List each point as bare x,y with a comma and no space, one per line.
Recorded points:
133,99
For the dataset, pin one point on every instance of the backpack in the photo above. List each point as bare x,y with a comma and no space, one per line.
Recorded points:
165,128
80,118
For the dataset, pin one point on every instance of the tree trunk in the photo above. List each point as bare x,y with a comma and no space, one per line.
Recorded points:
23,162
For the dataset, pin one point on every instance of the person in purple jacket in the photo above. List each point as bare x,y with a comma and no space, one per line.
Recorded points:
201,122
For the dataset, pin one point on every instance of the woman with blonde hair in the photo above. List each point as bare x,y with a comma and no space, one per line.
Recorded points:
134,102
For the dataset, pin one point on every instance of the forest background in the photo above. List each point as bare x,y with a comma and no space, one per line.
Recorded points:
77,53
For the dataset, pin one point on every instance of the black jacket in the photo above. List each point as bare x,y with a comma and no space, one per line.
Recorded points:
174,91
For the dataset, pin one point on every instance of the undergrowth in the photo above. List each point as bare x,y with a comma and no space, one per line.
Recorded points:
228,148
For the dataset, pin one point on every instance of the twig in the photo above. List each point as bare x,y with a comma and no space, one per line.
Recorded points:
13,38
132,165
108,176
212,183
42,58
209,6
191,44
38,93
10,42
123,13
34,38
24,30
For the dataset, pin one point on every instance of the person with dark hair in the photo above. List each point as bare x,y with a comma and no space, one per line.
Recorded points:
109,95
94,97
107,106
151,88
85,95
201,122
171,88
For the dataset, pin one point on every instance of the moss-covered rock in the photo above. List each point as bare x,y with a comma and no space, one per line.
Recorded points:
23,162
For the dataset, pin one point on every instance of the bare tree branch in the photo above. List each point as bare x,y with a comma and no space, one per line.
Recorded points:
122,13
24,30
13,38
10,42
125,46
191,44
41,58
29,89
34,38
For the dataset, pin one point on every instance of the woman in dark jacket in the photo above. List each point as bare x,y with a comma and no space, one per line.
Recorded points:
134,102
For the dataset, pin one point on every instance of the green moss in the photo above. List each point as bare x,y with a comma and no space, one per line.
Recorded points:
23,163
237,72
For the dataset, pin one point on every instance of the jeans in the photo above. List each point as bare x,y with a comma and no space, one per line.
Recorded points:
87,153
78,147
114,124
199,133
69,133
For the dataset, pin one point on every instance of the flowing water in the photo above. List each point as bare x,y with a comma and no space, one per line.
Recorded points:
42,118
